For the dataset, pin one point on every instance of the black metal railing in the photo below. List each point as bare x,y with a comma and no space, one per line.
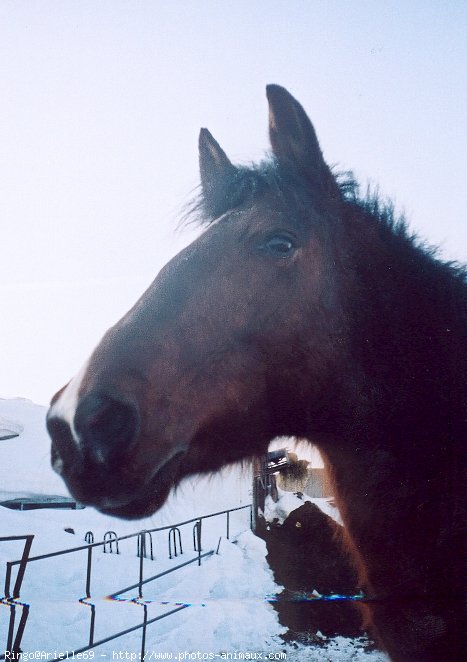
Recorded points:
144,551
21,563
11,598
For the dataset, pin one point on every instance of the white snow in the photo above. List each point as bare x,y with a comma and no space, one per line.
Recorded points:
25,460
227,610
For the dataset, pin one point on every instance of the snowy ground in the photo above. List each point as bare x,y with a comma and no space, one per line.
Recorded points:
225,601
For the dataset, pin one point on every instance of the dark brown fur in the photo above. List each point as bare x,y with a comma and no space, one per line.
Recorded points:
301,310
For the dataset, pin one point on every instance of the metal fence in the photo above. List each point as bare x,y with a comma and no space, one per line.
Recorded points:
109,545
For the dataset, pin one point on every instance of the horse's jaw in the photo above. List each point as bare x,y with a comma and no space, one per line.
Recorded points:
142,499
151,497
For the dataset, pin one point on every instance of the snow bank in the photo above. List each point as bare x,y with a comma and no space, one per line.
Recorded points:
228,596
25,460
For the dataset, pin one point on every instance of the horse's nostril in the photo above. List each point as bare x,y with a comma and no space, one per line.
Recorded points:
106,427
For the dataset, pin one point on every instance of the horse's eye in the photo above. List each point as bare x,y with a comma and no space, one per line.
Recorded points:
279,246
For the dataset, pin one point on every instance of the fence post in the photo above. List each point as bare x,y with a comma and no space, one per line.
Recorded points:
88,573
14,647
7,579
142,553
140,545
20,630
22,567
92,624
11,628
228,524
143,636
197,539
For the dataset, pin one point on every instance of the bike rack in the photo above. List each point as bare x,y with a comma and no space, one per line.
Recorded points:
110,537
141,545
173,533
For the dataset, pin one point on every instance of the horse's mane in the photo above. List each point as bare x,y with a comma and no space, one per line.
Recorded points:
251,181
393,224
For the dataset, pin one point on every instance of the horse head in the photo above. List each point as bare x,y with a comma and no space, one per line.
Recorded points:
228,346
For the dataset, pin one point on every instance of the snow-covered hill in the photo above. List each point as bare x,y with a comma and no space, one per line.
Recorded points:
25,459
226,599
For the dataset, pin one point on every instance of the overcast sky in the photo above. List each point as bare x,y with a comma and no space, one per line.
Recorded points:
101,104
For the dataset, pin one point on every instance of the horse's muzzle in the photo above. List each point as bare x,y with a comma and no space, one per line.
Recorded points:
102,431
94,446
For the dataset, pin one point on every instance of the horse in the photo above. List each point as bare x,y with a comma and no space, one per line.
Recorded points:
306,309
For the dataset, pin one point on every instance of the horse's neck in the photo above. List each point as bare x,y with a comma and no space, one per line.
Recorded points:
394,443
408,332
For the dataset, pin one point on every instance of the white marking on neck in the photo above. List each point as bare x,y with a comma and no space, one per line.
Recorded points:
65,406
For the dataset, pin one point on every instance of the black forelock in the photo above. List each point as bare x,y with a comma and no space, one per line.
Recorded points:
249,182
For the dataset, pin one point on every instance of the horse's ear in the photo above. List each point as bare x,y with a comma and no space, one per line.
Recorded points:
217,173
293,138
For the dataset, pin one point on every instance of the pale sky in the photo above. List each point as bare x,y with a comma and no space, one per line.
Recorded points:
101,105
